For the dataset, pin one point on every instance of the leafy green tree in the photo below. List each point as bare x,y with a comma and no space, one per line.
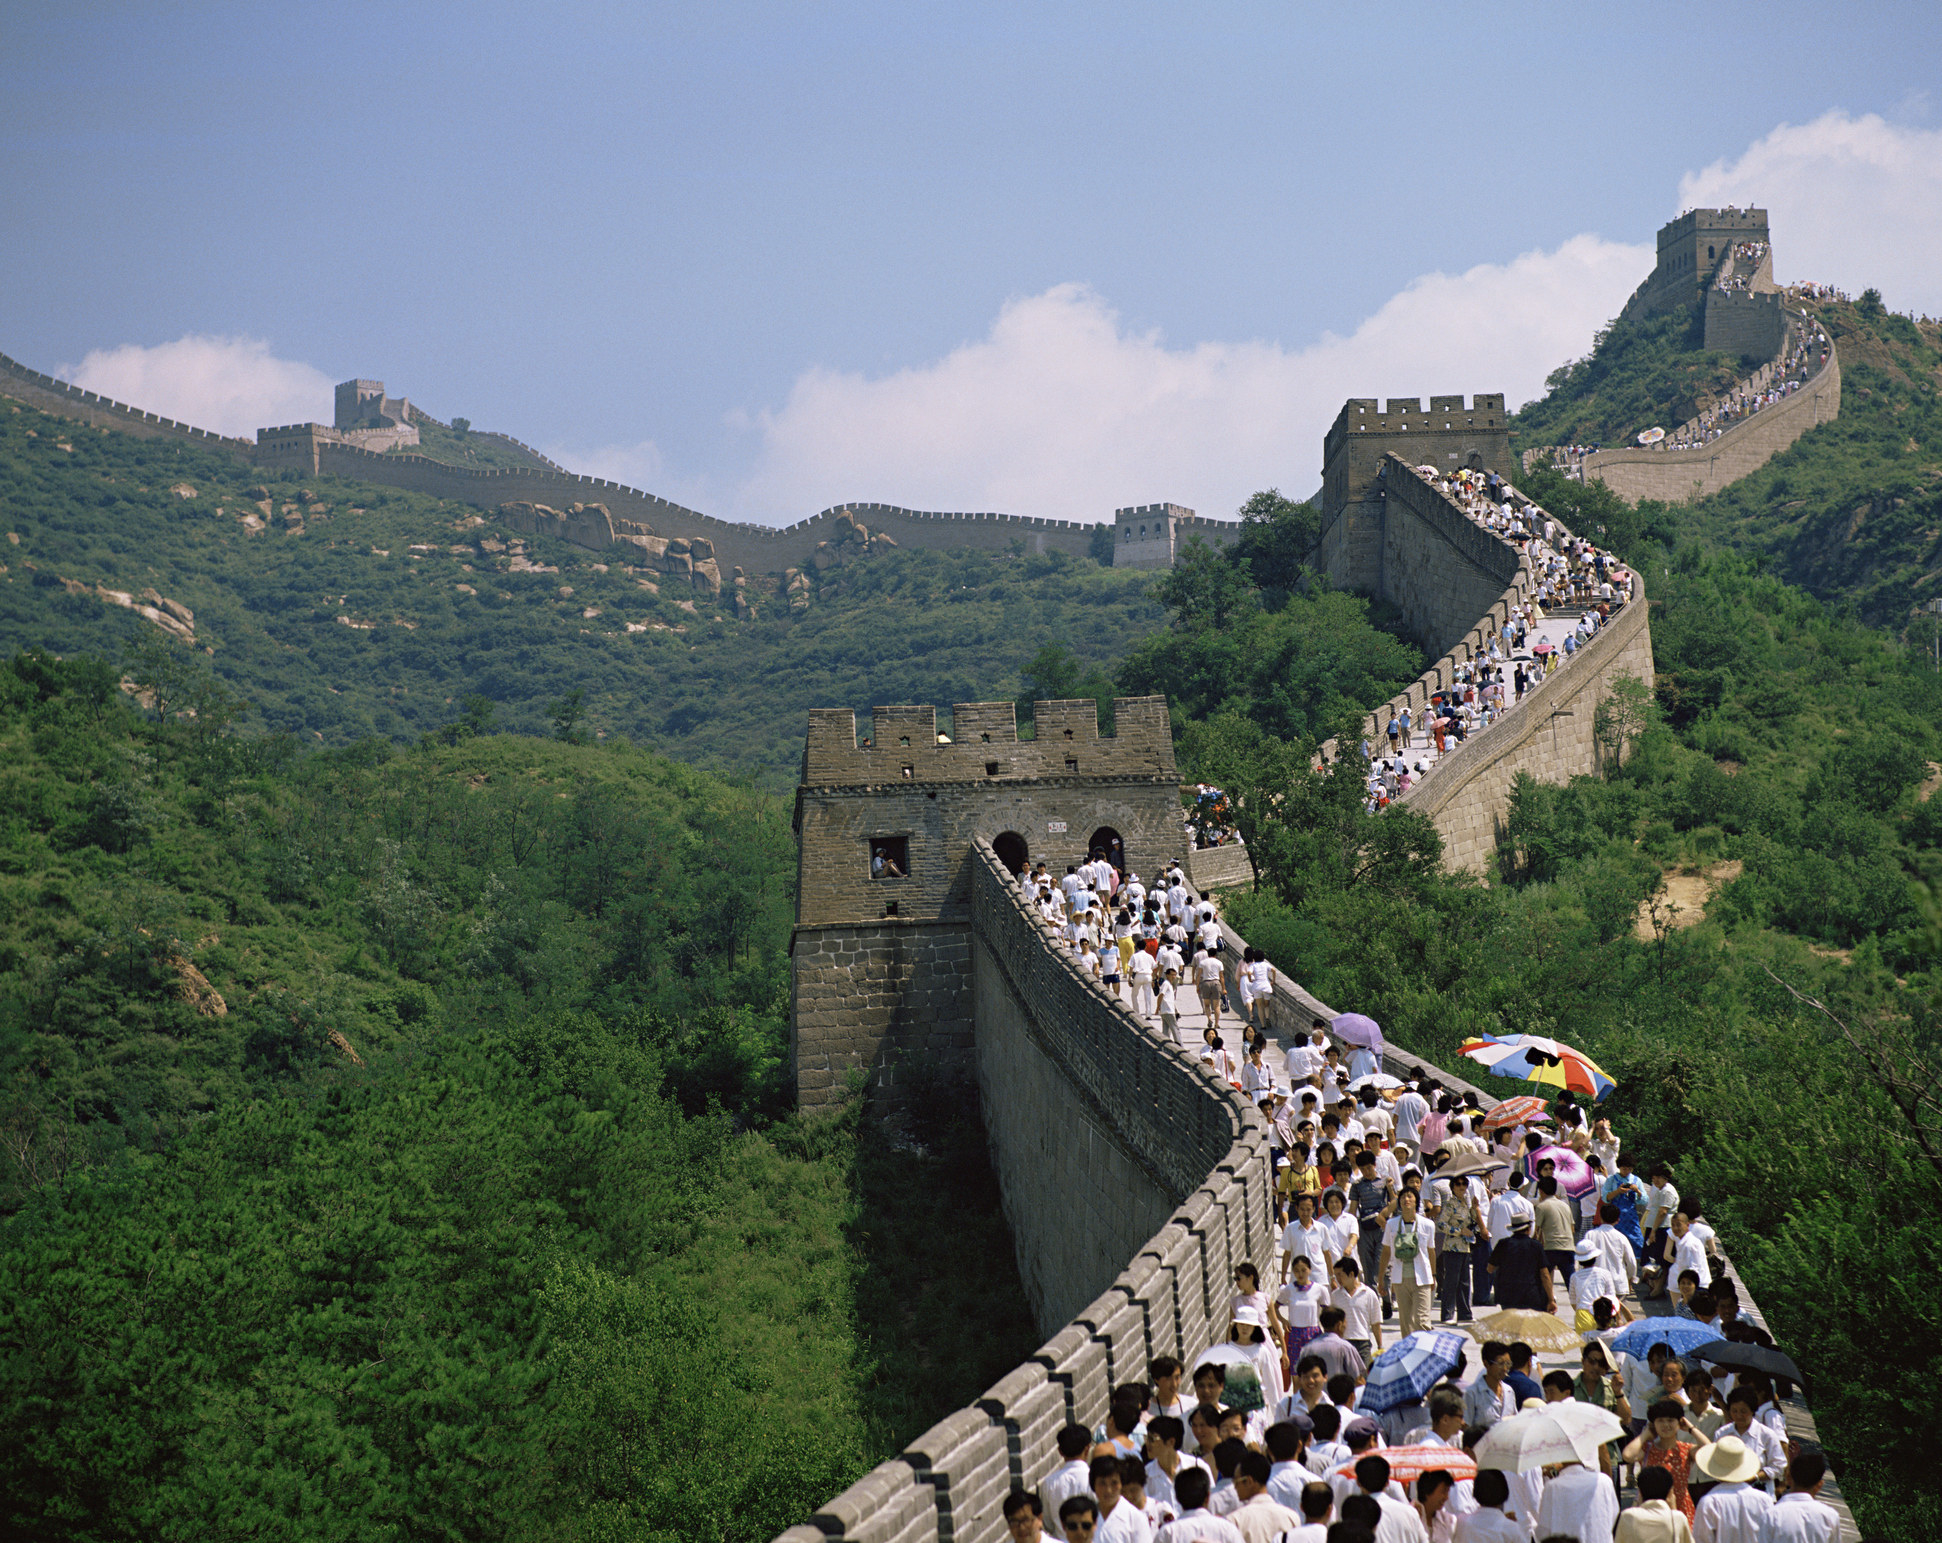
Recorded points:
1204,588
1277,534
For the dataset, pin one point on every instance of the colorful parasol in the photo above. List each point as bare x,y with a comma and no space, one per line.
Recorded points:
1408,1464
1572,1172
1521,1110
1537,1059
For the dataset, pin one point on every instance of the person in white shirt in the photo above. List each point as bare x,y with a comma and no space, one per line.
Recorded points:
1317,1508
1591,1280
1304,1057
1580,1504
1733,1509
1614,1249
1661,1200
1688,1251
1072,1477
1401,1522
1798,1516
1490,1523
1758,1438
1196,1524
1259,1518
1119,1520
1411,1108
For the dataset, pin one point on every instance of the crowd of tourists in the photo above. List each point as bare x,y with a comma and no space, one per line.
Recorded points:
1747,257
1806,352
1570,575
1399,1201
1210,819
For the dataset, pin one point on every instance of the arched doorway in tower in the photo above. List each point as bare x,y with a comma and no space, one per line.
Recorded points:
1011,850
1106,843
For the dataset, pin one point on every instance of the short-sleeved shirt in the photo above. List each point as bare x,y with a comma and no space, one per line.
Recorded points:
1367,1198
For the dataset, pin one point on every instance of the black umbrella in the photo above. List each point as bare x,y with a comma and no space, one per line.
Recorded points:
1747,1358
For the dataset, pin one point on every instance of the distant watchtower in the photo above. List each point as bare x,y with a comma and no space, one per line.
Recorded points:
880,961
362,404
1691,250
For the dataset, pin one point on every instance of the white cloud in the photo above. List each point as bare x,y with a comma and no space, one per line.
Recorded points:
232,385
1061,412
1853,202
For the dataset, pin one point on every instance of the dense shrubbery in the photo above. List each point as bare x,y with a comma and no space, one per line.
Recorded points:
474,1212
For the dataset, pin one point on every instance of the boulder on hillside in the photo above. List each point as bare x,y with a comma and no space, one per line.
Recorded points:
680,544
676,562
708,576
701,546
656,547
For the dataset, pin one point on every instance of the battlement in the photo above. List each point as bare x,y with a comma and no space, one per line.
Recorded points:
1406,415
904,745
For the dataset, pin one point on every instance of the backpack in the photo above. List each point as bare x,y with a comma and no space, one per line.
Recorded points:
1408,1244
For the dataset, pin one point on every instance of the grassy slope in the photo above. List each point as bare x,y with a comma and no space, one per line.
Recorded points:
907,627
1639,374
440,443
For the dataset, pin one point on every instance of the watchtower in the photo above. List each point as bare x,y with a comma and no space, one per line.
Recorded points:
1151,535
880,960
362,404
1691,249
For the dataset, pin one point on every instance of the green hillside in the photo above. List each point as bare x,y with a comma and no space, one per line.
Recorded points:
464,446
1643,373
1852,512
388,610
395,1147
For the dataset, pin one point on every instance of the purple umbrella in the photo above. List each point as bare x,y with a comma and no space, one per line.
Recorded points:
1574,1174
1355,1029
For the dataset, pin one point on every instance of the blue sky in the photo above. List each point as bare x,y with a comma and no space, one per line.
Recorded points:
1044,258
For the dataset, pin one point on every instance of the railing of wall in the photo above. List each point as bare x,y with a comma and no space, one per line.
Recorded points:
1183,1126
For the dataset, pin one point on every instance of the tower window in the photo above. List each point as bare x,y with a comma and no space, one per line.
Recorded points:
889,857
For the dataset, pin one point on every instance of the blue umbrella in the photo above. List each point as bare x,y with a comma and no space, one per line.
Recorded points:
1683,1334
1412,1366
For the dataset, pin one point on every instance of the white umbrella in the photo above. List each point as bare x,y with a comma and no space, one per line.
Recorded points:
1565,1432
1380,1081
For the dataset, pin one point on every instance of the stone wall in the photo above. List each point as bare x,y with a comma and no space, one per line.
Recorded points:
1099,1127
1682,476
1548,735
1746,322
890,1000
1441,569
57,396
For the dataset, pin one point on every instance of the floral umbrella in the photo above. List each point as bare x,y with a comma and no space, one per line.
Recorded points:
1572,1172
1536,1059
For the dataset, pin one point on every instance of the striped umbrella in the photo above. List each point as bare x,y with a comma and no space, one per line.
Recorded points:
1521,1110
1536,1059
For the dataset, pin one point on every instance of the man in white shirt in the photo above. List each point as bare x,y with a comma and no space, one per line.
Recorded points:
1798,1516
1580,1504
1401,1522
1733,1509
1759,1439
1305,1055
1072,1477
1120,1521
1688,1251
1410,1110
1196,1524
1489,1523
1259,1518
1306,1235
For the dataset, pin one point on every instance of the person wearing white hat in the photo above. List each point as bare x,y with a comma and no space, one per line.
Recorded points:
1251,1331
1593,1278
1734,1508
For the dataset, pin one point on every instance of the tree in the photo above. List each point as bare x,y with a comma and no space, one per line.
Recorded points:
1277,534
1056,674
461,427
566,714
1623,716
1869,305
1204,588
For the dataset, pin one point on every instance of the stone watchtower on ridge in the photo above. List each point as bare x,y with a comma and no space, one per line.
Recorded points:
880,960
1722,258
1448,436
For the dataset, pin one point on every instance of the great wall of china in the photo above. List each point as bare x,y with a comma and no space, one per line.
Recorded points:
1133,1179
